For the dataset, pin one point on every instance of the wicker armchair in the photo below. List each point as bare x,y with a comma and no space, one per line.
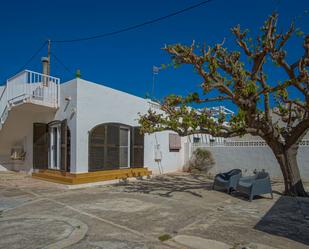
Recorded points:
228,180
255,185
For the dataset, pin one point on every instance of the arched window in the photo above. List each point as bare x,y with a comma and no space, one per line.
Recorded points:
114,146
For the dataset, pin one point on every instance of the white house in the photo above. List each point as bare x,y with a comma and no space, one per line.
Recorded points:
79,131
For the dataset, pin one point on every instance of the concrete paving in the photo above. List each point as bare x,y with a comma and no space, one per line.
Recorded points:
172,211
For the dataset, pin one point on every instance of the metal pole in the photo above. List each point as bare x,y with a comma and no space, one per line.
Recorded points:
48,56
153,85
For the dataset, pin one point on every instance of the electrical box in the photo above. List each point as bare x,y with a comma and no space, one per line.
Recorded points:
157,153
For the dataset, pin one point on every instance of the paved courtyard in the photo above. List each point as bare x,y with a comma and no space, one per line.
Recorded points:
174,211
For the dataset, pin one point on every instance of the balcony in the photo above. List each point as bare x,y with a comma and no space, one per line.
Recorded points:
29,87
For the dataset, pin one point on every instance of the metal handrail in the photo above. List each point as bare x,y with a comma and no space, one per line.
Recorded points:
44,75
25,84
10,100
3,113
29,71
16,75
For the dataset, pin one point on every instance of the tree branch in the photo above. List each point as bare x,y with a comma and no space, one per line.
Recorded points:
297,133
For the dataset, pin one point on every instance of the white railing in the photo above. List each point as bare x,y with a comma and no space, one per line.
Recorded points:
239,143
304,142
242,143
32,87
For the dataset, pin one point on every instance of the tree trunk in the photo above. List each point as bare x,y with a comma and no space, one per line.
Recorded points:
287,159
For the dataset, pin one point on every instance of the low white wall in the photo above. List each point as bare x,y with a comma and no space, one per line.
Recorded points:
250,158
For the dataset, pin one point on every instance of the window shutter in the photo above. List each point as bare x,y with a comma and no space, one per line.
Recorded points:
68,150
104,147
40,146
174,142
137,148
112,147
97,142
107,150
64,144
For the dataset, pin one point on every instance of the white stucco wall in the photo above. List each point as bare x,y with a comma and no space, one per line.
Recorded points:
18,128
88,105
85,105
171,161
18,131
1,89
67,111
249,159
97,104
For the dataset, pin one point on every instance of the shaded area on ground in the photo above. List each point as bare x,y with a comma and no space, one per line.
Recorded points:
166,185
289,218
137,214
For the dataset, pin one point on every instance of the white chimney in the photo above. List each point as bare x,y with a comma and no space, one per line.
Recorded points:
45,71
45,63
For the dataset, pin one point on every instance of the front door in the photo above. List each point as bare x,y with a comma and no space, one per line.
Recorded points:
54,147
51,146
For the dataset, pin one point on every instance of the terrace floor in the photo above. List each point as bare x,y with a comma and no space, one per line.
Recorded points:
172,211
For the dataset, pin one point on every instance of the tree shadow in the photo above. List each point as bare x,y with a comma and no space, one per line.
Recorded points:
168,184
289,218
245,197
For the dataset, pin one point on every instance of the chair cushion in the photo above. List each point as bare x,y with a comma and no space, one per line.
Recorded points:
231,173
248,178
221,178
246,184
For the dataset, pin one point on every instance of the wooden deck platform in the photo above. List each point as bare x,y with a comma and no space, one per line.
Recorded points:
104,175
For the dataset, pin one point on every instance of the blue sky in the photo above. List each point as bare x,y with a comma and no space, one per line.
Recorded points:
125,61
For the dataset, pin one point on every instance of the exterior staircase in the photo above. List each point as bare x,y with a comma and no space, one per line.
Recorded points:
28,87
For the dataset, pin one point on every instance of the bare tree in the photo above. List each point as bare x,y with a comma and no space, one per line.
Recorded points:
265,108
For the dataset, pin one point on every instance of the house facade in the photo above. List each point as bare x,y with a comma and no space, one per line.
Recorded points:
79,131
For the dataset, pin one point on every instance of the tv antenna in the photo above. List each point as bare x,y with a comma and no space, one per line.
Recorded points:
155,71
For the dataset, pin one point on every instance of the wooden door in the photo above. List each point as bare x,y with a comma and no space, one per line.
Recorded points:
40,146
137,148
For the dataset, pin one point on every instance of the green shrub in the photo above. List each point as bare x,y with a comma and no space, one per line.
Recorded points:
201,161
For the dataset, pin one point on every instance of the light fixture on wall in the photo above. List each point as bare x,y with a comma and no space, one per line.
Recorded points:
73,111
68,100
